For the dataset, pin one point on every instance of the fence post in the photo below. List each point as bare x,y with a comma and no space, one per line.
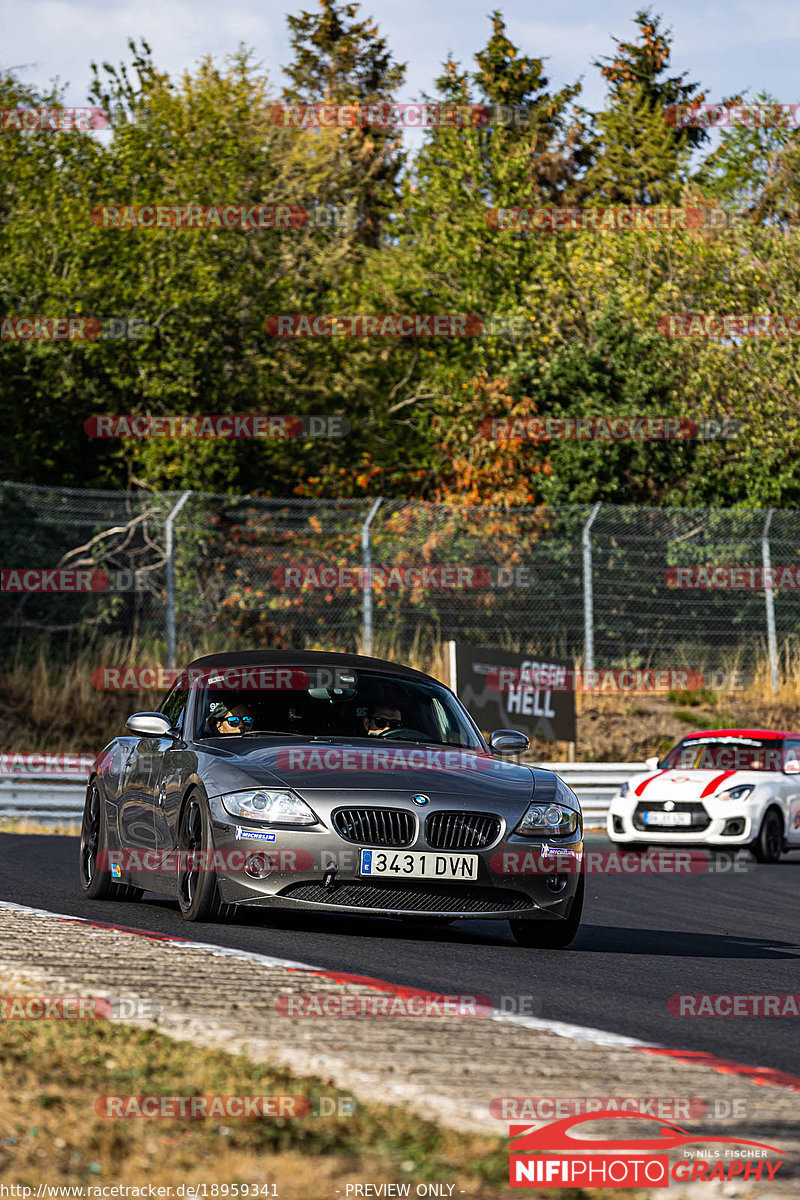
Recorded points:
769,595
366,575
588,607
168,538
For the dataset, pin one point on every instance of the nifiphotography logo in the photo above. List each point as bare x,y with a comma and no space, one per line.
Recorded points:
560,1154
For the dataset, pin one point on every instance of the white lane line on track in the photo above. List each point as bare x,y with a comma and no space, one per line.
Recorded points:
579,1033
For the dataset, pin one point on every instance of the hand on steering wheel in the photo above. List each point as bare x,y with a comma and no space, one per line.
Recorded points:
417,734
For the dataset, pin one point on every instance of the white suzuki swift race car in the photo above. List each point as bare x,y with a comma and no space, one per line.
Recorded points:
729,787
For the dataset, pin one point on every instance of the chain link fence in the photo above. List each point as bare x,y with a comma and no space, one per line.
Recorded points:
610,586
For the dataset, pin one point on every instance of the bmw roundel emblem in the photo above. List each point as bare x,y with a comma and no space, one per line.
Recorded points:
420,799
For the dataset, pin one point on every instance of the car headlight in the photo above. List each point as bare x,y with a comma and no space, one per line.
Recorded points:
737,793
556,820
623,790
272,807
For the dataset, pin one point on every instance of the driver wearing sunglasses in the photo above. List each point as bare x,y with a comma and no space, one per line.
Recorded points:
235,720
382,720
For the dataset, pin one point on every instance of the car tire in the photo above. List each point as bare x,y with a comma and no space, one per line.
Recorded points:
768,845
98,884
198,890
548,934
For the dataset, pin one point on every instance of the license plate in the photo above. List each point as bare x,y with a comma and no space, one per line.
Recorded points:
418,865
667,818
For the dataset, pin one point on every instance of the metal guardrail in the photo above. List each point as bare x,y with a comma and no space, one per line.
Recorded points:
58,797
47,788
595,784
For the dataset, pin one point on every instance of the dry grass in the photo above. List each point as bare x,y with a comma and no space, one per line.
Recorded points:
28,825
51,1073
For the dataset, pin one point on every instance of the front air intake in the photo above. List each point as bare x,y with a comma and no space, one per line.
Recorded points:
461,830
375,826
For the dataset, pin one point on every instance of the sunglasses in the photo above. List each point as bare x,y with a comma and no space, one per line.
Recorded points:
237,721
387,722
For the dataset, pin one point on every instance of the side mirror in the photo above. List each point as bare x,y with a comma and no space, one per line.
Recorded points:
652,763
149,724
792,766
508,741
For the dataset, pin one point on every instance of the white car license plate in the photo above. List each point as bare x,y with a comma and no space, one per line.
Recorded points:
403,864
667,818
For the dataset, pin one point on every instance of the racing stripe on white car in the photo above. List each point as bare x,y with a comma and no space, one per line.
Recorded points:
765,1076
641,786
716,782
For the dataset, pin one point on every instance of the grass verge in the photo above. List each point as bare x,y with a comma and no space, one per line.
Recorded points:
51,1073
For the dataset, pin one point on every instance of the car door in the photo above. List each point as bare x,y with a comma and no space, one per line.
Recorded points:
135,808
790,789
174,763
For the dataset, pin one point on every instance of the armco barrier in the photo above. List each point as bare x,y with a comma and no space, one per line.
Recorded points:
47,788
35,787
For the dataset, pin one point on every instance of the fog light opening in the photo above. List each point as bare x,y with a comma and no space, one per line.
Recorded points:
257,866
556,883
734,827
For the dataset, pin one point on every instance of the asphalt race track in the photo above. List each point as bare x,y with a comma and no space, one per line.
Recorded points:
644,939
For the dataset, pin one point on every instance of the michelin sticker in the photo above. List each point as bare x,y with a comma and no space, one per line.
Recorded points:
253,835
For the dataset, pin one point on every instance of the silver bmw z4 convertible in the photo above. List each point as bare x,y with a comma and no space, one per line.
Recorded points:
332,782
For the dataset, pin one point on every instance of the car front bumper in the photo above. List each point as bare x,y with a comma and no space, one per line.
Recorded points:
316,869
715,823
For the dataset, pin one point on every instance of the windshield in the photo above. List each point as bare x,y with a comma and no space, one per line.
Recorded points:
329,703
725,754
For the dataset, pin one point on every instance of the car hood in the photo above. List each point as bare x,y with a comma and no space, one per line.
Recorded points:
357,767
687,784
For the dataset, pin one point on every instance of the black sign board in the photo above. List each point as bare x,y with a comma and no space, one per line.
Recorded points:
503,690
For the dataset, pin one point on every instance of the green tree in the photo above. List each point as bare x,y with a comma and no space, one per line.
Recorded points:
341,59
754,170
640,157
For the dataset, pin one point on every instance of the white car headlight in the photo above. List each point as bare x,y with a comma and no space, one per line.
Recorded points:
737,793
271,807
623,789
555,820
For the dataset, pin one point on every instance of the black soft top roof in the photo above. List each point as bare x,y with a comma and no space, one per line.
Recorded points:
304,658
